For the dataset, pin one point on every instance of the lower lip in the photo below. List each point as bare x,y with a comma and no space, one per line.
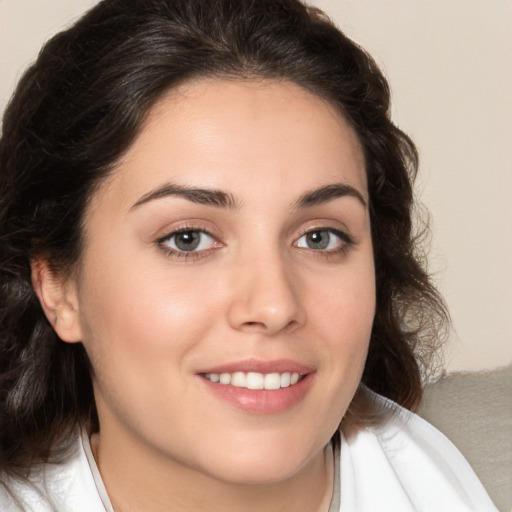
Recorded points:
261,401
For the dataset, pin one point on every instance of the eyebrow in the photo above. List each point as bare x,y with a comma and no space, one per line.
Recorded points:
205,196
329,193
220,199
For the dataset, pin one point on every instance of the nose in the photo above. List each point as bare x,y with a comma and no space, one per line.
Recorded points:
266,297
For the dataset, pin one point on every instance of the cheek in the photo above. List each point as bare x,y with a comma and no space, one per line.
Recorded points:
340,321
140,332
348,306
132,316
346,313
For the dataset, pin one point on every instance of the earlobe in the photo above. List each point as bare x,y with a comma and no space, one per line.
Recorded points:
58,299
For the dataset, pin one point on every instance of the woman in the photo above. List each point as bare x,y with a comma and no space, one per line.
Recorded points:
207,267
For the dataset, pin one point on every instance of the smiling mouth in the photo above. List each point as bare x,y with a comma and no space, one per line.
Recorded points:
255,380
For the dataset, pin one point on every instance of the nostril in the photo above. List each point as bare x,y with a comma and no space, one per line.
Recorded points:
268,328
253,326
266,310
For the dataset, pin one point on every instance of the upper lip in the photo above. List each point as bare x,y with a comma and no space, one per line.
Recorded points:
260,366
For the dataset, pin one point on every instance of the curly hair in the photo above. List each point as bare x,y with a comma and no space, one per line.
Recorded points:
80,106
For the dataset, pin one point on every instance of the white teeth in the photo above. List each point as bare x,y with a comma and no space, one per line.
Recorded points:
285,379
225,378
272,381
239,380
254,380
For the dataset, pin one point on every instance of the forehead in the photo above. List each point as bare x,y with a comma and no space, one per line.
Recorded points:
224,133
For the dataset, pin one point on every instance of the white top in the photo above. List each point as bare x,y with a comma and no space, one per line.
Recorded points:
403,465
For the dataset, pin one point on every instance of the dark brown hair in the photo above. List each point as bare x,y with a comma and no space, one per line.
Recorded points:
79,107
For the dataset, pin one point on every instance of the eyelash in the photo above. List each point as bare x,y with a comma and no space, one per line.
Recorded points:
347,242
169,251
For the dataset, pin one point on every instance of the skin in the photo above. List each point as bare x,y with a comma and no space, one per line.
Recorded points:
150,320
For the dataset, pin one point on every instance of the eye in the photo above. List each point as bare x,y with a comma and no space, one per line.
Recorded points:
187,241
324,240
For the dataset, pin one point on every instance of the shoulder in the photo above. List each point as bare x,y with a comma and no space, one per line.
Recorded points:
63,487
31,493
405,464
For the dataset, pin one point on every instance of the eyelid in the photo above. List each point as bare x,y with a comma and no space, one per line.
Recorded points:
347,241
184,228
185,225
342,232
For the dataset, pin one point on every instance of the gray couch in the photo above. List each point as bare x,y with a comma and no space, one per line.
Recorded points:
474,410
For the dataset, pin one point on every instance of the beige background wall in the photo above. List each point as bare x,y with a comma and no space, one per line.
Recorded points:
449,64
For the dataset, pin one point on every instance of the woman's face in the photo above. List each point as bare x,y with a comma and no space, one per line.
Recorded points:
232,242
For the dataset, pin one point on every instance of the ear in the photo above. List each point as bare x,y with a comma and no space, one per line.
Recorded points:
58,298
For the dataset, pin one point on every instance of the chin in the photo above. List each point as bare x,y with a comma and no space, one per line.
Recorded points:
263,463
260,474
